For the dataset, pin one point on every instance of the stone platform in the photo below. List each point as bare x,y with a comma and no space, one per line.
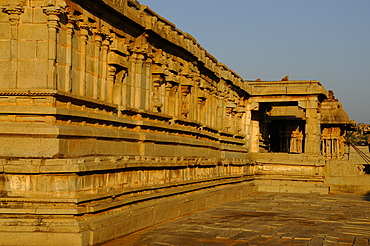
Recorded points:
267,219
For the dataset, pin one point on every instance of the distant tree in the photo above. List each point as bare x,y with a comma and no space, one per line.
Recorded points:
359,137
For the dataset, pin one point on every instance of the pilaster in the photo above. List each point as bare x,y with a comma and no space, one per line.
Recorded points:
14,13
104,69
53,13
98,39
84,33
69,32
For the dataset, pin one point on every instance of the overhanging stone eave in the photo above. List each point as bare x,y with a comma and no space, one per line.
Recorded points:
291,88
254,94
201,55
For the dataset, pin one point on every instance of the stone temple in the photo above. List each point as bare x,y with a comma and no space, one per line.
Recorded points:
112,120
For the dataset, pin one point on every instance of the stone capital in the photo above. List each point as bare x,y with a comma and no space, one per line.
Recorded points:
10,10
14,12
53,11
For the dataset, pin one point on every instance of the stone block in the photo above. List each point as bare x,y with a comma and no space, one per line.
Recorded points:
29,147
33,32
267,188
26,16
42,49
62,37
149,149
25,31
63,184
89,82
61,54
4,17
4,31
5,50
27,49
6,78
41,238
303,190
32,74
81,147
61,77
109,147
131,149
165,213
39,16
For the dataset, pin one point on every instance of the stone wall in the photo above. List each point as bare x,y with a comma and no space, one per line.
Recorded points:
112,120
108,111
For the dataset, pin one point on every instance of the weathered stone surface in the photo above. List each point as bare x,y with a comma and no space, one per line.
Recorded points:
266,219
107,110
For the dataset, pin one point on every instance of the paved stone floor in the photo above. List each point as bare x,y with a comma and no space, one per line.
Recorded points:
267,219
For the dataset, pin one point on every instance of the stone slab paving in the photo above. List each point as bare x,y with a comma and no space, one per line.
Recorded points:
266,219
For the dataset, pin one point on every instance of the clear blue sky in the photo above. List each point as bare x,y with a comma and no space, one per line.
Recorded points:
326,40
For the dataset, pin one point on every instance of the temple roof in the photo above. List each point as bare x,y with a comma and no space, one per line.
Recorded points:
333,113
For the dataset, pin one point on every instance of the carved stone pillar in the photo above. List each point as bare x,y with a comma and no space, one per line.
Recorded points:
14,13
98,38
53,13
240,112
248,124
146,84
168,88
83,43
228,119
184,109
136,71
202,98
220,112
118,87
111,80
70,31
254,130
104,82
156,99
312,140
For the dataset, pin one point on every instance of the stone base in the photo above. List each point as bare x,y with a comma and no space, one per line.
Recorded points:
292,186
95,228
347,177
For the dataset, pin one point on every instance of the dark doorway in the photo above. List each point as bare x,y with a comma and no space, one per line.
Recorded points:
286,136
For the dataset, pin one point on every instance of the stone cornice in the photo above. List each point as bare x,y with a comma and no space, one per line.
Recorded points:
150,21
295,87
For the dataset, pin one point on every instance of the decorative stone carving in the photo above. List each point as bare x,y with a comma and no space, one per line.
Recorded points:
185,91
156,99
13,12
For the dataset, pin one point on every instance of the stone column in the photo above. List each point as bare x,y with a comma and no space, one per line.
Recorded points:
83,43
254,128
312,140
119,91
220,111
98,38
193,115
14,13
168,88
111,80
124,80
104,69
53,13
156,100
146,88
185,91
69,32
136,73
